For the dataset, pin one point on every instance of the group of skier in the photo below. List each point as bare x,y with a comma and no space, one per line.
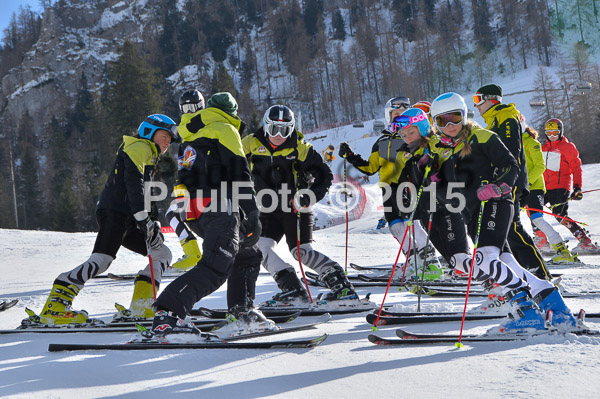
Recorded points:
480,177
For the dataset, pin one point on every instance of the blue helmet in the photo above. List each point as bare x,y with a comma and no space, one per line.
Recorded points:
156,122
412,117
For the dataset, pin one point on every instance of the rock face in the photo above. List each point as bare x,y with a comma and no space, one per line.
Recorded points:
76,39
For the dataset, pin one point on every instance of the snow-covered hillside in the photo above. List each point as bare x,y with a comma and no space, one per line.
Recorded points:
345,366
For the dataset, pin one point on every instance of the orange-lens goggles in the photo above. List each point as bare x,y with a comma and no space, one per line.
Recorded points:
552,132
478,99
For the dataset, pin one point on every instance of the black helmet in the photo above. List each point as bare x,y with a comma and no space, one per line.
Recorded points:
191,101
279,121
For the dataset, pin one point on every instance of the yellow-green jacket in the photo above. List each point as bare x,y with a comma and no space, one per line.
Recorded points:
535,162
134,165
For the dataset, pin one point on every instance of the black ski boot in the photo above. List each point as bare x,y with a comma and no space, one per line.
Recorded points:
291,287
166,322
338,283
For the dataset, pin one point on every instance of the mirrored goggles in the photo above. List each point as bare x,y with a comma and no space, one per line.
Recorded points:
553,133
451,118
404,121
189,108
283,130
478,99
399,104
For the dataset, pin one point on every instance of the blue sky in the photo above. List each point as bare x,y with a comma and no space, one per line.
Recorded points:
8,7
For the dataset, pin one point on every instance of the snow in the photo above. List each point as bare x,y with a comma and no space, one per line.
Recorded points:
345,365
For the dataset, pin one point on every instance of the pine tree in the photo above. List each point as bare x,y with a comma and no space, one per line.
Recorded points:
131,94
338,25
484,34
222,81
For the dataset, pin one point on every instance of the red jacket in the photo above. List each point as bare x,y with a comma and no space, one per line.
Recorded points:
562,161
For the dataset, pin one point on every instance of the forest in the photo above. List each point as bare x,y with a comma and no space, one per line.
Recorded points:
332,61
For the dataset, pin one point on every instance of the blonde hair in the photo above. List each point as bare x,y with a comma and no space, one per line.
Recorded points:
532,132
463,135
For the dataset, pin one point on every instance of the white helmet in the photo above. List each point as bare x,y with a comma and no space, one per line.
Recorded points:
446,103
395,103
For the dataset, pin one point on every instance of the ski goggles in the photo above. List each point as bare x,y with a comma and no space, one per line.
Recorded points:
399,103
404,121
450,118
281,129
479,98
189,108
552,133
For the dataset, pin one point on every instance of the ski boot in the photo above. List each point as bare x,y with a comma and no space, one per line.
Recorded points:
242,320
428,257
524,317
166,322
57,310
541,241
496,302
191,257
585,246
561,318
141,302
292,289
341,288
563,255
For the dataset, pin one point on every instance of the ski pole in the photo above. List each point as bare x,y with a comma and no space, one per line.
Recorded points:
346,203
151,270
475,244
410,219
298,241
554,214
589,191
424,261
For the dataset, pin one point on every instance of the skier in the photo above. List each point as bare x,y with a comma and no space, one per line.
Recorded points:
212,166
413,125
281,160
383,161
122,221
190,102
503,119
563,166
478,158
535,199
328,154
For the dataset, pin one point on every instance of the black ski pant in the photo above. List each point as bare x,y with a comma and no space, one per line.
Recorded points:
116,229
522,245
561,196
277,224
447,233
221,258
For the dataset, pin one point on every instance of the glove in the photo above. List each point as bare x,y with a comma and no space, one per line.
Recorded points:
433,178
250,229
493,191
304,201
152,233
345,150
426,160
576,195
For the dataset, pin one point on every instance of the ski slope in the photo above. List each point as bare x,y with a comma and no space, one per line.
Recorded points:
345,366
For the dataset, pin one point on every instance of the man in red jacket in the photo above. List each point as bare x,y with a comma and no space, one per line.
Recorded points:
562,162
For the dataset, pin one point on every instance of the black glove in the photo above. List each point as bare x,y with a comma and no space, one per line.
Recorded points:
250,229
152,233
576,194
345,150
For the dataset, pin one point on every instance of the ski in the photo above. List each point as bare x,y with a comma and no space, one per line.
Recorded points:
283,344
415,319
370,268
435,283
4,305
204,325
408,338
